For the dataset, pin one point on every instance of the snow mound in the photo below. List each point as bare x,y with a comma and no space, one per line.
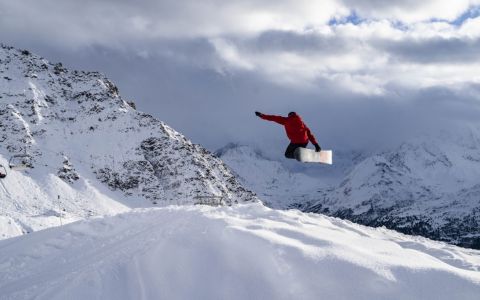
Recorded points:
242,252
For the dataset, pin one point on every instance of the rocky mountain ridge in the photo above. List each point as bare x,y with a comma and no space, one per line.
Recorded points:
86,145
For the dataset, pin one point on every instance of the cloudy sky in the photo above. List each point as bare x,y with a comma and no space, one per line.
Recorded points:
361,72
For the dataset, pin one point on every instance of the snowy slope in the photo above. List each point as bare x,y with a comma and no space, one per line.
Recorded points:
91,152
240,252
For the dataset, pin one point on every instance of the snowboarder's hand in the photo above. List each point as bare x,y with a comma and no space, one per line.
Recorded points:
258,114
317,148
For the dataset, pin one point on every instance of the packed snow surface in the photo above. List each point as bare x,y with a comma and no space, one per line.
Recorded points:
241,252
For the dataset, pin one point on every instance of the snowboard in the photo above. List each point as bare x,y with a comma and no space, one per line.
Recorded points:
309,155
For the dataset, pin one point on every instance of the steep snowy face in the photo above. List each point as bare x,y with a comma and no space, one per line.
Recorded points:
84,143
428,186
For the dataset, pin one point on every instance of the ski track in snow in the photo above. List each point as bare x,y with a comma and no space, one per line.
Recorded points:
241,252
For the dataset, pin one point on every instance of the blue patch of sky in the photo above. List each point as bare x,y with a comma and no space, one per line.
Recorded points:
399,25
353,18
471,13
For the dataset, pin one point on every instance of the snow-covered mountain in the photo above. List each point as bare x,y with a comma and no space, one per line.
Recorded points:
277,186
89,152
427,186
241,252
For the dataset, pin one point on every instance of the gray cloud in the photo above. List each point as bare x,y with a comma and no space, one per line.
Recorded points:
111,23
433,50
290,41
379,5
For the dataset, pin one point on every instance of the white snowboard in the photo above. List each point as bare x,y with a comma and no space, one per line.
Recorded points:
309,155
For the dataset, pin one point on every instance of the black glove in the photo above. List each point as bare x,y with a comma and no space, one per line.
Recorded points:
317,148
258,114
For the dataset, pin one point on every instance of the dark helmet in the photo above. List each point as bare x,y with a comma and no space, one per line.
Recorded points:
292,113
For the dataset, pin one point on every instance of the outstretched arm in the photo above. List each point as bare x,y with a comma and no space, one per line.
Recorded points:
278,119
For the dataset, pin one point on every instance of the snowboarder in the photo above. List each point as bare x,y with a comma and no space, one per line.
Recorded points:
298,133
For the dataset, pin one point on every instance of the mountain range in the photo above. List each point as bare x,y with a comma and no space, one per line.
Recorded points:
426,186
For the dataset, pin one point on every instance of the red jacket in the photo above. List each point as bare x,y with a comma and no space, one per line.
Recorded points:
297,131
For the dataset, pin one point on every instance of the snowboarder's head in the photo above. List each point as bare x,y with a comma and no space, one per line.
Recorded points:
292,113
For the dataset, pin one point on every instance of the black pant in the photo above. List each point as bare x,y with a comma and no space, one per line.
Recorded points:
291,149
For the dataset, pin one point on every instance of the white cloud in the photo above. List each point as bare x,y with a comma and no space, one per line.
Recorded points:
366,57
471,28
108,22
229,53
111,21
